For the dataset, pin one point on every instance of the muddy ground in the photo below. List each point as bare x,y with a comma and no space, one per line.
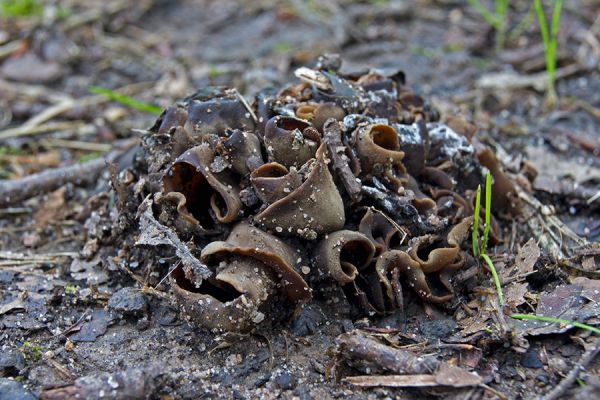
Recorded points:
73,318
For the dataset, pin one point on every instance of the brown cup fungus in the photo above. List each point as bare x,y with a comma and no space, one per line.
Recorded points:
353,170
251,267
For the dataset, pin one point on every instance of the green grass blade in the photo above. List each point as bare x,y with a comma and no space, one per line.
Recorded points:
490,264
475,234
488,212
490,18
21,8
554,39
126,100
542,21
556,321
501,7
524,24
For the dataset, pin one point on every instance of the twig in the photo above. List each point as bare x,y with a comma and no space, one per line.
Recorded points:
34,130
9,48
12,191
33,91
61,369
77,145
60,108
154,233
562,387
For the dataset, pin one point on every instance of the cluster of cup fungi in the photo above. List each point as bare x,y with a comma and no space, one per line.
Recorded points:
347,179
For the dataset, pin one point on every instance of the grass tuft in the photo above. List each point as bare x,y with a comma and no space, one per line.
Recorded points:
556,321
21,8
126,100
490,264
550,39
481,251
496,20
475,234
488,212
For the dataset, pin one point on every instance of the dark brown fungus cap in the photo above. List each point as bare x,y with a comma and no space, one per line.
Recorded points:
306,111
372,82
273,181
437,177
231,300
318,114
420,201
378,144
242,151
314,208
326,111
191,176
291,141
505,198
451,205
380,230
343,254
216,115
427,256
248,241
172,117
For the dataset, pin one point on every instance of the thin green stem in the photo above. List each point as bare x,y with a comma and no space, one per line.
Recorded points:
550,39
475,233
554,41
488,212
485,13
524,24
490,264
556,321
126,100
497,19
501,8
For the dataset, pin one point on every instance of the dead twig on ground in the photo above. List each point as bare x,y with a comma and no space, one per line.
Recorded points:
44,128
13,191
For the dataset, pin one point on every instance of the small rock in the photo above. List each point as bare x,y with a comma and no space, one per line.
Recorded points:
128,300
346,325
558,364
302,392
10,389
11,362
69,345
543,379
262,380
307,322
94,327
165,315
439,329
32,69
531,359
142,324
285,381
